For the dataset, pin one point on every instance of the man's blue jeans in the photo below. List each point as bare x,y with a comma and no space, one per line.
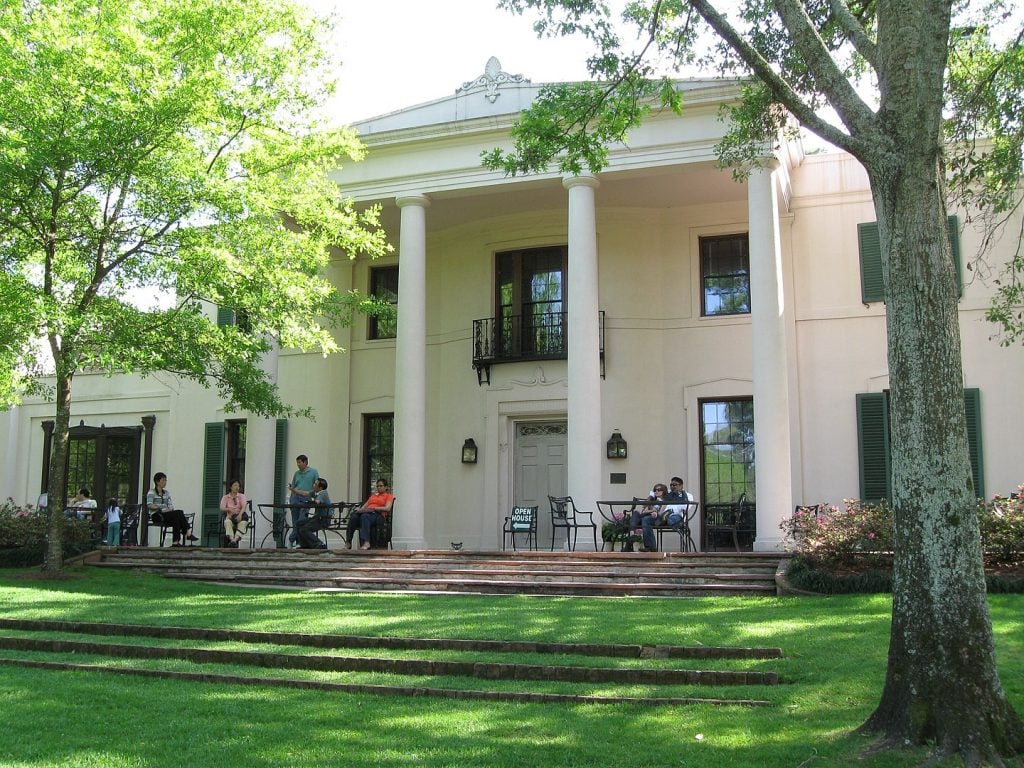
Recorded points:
646,521
299,515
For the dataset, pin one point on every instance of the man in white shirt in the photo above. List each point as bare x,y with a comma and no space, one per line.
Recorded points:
675,514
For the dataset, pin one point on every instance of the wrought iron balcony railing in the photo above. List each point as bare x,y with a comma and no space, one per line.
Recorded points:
519,338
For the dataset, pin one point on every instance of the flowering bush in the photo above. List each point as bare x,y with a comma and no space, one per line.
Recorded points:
1002,529
826,532
23,535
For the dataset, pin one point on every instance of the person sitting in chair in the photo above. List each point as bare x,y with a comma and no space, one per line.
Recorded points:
368,516
159,503
318,520
675,514
236,515
647,517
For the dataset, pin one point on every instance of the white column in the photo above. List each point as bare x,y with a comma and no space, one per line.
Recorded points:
411,375
771,381
260,441
586,445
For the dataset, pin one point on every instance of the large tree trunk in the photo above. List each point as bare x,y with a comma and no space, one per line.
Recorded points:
53,562
941,684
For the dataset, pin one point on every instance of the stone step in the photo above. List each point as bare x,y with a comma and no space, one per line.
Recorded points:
576,573
584,574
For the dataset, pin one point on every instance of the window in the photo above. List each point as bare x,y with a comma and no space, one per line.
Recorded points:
229,316
725,275
384,286
236,436
727,449
530,297
873,447
870,248
103,459
378,450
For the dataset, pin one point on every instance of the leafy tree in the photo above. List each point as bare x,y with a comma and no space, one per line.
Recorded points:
156,155
795,59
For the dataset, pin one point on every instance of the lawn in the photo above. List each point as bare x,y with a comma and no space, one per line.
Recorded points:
833,669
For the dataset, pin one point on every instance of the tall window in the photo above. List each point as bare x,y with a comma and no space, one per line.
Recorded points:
235,465
725,275
727,449
103,459
378,450
530,296
384,286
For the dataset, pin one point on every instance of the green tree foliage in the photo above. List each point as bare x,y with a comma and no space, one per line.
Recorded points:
157,156
813,62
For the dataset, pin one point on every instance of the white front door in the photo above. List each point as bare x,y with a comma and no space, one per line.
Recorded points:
540,470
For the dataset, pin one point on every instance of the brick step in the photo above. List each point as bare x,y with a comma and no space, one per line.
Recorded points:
574,573
388,642
492,586
314,558
426,667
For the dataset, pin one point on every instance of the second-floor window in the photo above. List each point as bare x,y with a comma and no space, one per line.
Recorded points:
725,275
530,299
384,286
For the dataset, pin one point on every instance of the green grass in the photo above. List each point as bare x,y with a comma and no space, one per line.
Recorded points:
834,666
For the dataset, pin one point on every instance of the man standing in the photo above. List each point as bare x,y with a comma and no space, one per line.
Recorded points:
302,488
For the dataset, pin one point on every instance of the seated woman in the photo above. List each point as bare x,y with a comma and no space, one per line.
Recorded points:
368,516
159,503
236,513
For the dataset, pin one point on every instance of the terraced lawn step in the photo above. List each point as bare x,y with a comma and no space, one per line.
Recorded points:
423,667
611,650
387,690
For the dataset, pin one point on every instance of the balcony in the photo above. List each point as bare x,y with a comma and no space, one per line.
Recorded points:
522,338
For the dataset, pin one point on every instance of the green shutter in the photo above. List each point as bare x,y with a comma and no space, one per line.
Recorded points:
213,482
954,244
972,407
871,288
225,316
873,445
280,456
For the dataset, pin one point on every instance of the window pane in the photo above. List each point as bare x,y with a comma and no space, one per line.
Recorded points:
725,275
384,286
727,430
378,450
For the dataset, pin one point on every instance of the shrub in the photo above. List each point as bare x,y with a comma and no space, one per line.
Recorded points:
827,533
861,530
23,535
1002,529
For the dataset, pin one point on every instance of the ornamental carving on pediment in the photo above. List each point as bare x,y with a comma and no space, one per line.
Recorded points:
492,78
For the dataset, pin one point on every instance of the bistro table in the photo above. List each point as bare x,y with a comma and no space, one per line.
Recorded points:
607,509
621,521
275,515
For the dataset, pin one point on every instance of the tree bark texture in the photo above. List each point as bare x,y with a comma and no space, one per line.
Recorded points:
941,685
53,561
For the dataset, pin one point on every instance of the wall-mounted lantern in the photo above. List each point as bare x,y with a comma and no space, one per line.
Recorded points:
469,451
616,446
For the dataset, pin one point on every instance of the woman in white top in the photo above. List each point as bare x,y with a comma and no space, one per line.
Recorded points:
113,523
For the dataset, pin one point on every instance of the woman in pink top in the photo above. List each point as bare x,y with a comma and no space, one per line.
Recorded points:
236,513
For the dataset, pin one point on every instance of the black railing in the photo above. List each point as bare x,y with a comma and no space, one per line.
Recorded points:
518,338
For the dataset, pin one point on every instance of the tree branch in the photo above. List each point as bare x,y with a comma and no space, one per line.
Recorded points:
829,79
779,88
854,31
